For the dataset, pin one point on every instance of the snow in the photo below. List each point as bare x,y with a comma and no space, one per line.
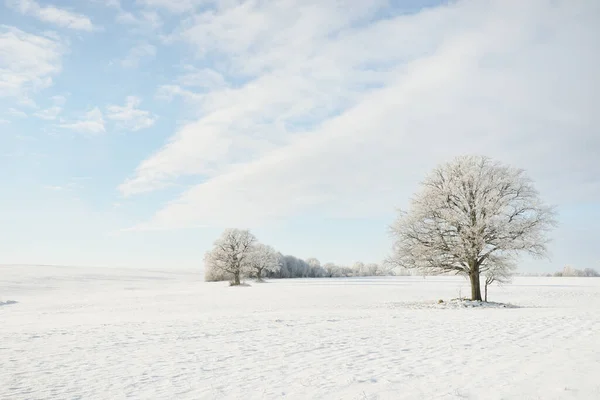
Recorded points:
114,334
454,304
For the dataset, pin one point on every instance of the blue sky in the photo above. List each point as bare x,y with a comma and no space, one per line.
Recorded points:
133,132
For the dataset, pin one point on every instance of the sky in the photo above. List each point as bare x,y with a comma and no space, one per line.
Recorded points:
133,132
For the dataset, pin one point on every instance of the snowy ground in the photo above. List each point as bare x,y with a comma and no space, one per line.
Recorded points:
114,334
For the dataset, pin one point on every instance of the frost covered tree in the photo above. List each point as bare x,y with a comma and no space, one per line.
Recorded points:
499,270
472,215
373,269
331,270
313,262
263,258
360,269
569,271
315,269
212,274
231,254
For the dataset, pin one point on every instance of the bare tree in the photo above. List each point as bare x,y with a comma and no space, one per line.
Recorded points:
231,253
499,271
263,258
470,212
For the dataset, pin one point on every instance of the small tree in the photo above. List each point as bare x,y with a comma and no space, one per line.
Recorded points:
470,211
231,253
498,273
264,258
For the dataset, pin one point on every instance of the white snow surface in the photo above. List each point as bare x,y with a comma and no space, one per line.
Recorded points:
73,333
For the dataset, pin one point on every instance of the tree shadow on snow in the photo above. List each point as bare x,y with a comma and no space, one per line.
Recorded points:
454,304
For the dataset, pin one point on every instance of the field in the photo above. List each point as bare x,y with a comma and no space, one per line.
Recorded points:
115,334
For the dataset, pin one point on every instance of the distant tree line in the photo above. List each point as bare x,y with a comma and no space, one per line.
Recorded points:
293,267
237,254
567,271
573,272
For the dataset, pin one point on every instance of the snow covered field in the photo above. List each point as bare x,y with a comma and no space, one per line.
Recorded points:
114,334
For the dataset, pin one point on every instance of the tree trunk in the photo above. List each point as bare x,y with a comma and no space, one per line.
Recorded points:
486,285
475,285
259,274
236,278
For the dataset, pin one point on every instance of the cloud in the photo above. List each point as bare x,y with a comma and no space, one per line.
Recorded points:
27,62
332,109
54,188
129,116
72,185
16,113
305,84
51,113
137,54
92,122
169,92
203,78
192,84
111,3
144,21
52,15
179,6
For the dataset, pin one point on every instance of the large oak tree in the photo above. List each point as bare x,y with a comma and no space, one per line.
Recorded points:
472,216
232,254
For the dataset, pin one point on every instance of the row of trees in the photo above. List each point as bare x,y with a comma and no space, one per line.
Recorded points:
292,267
237,254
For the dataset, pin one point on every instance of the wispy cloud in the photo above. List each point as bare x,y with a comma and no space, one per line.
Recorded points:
51,113
16,113
137,54
141,21
53,188
29,64
179,6
169,92
144,21
91,122
202,78
129,116
72,186
111,3
52,15
339,111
